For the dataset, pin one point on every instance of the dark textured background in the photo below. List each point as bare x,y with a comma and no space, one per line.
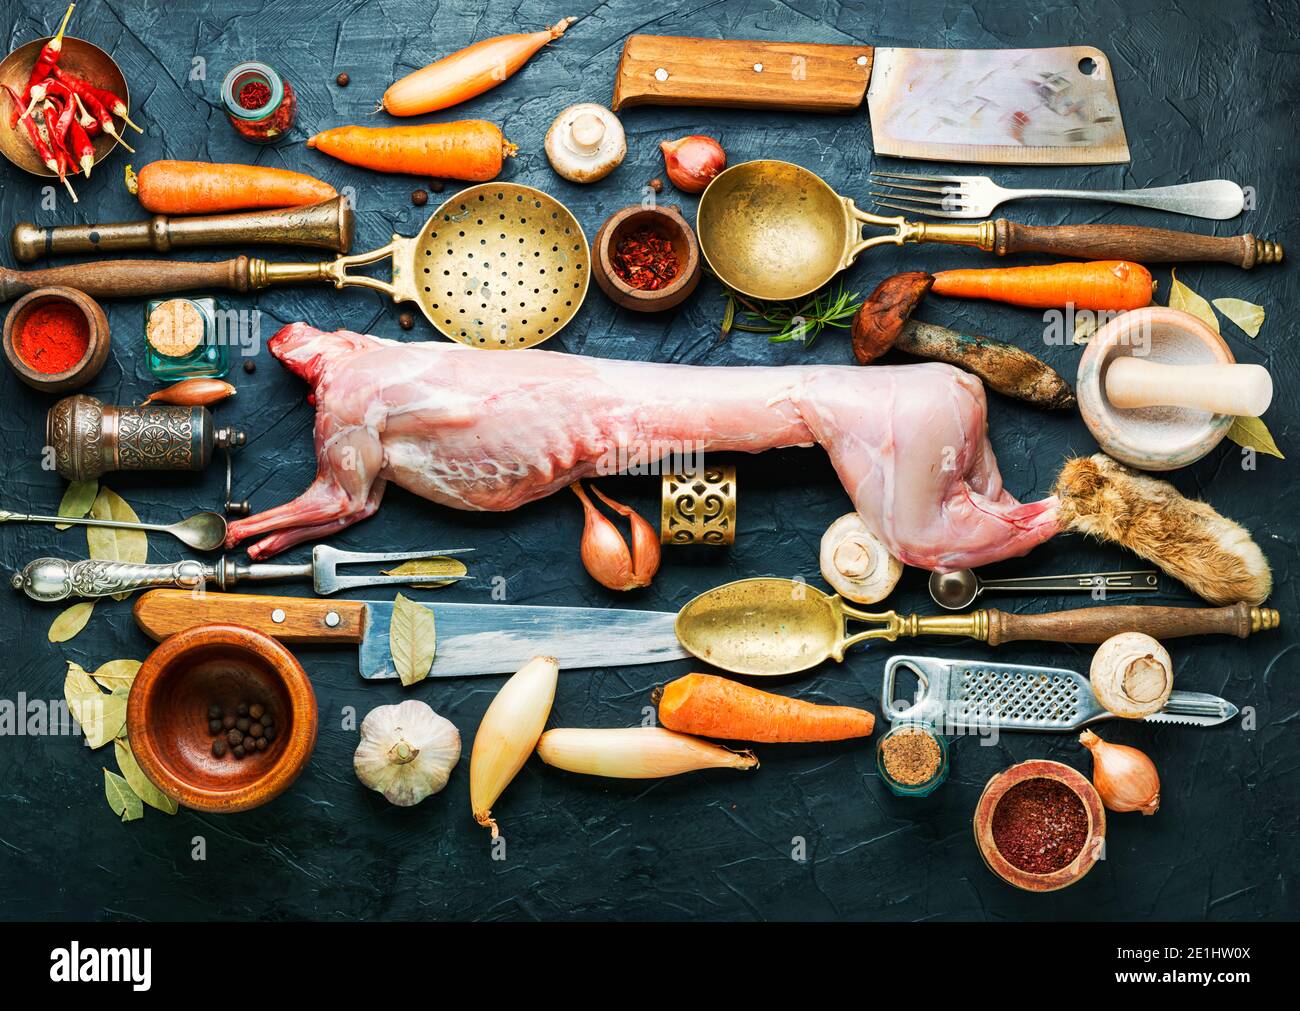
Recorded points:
1207,90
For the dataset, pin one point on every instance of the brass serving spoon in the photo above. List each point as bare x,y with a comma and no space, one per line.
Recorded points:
204,531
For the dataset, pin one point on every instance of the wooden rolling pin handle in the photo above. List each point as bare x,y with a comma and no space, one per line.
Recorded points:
1097,624
1130,242
131,278
741,74
1240,390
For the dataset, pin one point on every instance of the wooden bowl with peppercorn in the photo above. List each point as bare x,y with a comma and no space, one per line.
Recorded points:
646,258
221,718
1040,825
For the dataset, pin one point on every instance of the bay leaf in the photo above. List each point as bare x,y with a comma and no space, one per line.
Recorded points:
411,640
70,621
117,673
1247,315
112,545
438,566
1252,433
77,500
124,801
101,716
1182,297
138,781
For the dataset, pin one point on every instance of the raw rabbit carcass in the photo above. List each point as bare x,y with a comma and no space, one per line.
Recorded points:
474,429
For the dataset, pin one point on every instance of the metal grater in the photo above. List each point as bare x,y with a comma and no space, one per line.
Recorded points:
973,695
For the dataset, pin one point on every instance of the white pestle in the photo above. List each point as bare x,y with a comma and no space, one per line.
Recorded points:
1241,390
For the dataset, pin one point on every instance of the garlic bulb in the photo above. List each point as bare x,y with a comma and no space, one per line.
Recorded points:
407,752
1132,675
855,562
508,734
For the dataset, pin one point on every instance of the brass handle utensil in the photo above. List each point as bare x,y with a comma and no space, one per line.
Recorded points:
327,225
771,626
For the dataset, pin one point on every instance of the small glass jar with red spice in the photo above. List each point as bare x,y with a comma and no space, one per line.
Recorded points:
260,104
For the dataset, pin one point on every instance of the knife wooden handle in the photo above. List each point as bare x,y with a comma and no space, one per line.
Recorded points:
740,74
161,613
1097,624
1131,242
130,278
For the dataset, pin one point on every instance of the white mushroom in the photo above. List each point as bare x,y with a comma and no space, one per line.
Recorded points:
585,143
1132,675
855,562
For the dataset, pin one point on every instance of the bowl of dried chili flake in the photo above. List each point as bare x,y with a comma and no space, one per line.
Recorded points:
1040,825
56,339
646,258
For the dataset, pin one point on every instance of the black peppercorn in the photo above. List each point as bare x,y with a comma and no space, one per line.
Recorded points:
406,320
657,185
270,734
234,737
218,748
436,185
215,712
242,709
243,723
260,744
419,198
237,751
214,726
343,80
256,710
255,730
228,721
265,719
250,366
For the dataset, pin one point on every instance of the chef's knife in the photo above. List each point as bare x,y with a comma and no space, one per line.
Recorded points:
999,106
470,638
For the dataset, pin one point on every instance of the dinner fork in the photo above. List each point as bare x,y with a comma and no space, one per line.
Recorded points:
977,196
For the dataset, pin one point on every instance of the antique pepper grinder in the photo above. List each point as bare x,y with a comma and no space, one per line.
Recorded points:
90,438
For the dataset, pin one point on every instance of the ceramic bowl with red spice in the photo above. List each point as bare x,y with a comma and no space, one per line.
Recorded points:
56,339
646,258
1040,825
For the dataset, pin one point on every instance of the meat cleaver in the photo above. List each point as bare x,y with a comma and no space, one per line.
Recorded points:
471,638
996,106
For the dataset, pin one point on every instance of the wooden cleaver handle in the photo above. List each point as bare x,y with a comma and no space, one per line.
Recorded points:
161,613
1097,624
802,76
1240,390
1131,242
130,278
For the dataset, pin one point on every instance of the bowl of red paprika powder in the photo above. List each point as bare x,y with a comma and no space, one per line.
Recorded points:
56,339
1040,825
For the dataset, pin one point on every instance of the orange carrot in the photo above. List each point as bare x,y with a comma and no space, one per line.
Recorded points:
713,706
199,187
470,149
1101,284
470,72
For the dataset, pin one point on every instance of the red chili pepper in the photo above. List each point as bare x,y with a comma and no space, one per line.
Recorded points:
34,134
96,108
82,147
103,96
62,159
90,123
45,63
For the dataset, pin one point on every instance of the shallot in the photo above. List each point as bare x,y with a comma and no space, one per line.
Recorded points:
508,734
604,551
691,162
1125,777
636,753
192,392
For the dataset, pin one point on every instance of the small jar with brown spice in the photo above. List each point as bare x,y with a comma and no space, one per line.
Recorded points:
912,759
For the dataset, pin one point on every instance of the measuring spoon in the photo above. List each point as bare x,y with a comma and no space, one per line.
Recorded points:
955,590
204,531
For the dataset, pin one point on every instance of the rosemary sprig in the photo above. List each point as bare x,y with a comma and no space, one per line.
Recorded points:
790,321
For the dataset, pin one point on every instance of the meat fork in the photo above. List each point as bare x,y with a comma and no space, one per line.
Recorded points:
50,579
978,196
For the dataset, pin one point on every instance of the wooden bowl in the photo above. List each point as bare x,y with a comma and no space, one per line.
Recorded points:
998,787
1151,438
667,222
96,346
82,59
167,717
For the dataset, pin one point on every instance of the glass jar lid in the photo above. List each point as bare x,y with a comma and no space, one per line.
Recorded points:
246,73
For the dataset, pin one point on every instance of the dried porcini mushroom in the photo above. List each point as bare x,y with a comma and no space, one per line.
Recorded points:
881,317
1132,675
856,563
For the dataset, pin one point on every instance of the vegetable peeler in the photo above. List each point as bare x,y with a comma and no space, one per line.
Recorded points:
50,579
957,695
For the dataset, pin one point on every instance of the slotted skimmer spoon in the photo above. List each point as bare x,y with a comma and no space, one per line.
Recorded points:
980,196
498,265
956,695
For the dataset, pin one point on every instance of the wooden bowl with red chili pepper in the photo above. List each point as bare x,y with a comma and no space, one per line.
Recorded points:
646,258
56,339
1040,825
84,61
